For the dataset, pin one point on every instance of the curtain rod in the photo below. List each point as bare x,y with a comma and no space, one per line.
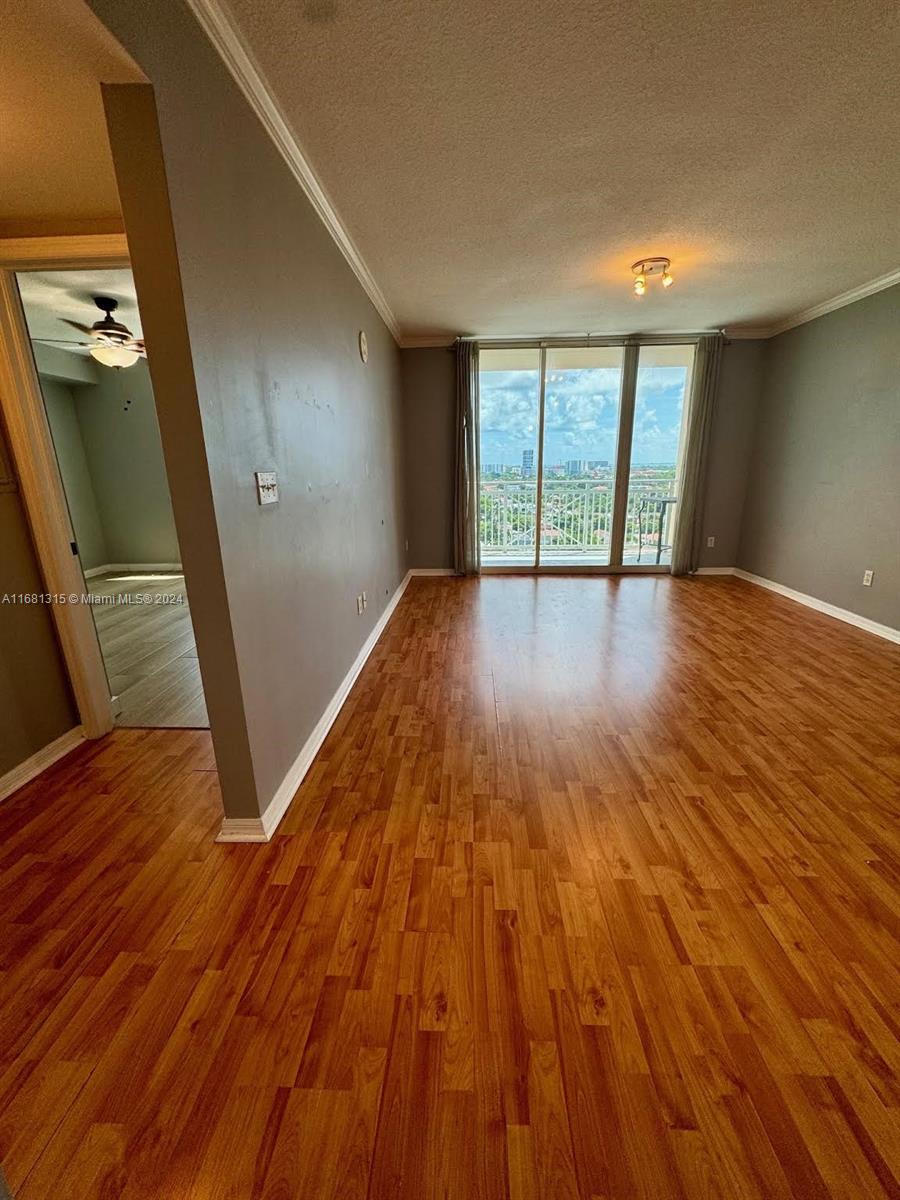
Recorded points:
617,339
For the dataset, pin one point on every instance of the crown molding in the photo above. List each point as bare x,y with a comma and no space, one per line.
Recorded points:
427,341
219,26
818,310
841,301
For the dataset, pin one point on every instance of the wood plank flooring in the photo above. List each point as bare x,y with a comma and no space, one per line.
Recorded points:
591,892
150,652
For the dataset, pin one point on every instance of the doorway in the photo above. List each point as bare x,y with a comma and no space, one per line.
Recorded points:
85,332
581,455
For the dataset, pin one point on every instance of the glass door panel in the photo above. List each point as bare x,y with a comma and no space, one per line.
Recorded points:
509,384
582,399
657,443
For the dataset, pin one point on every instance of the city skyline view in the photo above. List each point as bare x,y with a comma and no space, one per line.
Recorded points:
581,415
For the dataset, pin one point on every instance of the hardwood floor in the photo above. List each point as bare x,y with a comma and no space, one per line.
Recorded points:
591,892
149,652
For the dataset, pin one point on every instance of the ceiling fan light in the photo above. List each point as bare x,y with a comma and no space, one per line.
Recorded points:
114,356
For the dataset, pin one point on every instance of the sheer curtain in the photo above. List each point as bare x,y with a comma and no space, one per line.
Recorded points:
466,542
686,548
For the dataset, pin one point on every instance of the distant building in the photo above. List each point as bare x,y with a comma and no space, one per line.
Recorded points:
584,466
527,464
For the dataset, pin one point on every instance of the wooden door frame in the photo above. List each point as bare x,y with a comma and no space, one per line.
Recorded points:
34,459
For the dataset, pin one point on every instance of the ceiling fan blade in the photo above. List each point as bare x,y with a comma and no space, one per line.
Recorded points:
75,325
60,342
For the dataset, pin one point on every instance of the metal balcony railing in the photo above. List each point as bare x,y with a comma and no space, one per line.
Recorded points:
576,518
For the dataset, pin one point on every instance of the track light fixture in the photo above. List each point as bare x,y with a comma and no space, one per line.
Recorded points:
646,268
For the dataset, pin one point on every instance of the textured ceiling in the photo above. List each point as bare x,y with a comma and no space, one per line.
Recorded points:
55,163
500,165
48,296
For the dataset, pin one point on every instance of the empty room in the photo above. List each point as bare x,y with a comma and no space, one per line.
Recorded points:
449,601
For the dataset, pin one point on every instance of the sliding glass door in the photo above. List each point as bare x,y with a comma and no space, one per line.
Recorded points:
582,394
654,466
510,396
581,455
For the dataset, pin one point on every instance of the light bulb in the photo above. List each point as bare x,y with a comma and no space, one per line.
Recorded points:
667,279
115,356
640,285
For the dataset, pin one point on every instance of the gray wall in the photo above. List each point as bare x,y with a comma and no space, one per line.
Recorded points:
429,383
730,446
87,525
274,313
111,462
133,129
36,705
823,500
125,457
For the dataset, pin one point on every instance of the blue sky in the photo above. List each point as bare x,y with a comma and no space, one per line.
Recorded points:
582,414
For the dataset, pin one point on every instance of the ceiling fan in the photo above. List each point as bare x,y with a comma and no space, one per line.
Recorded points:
113,343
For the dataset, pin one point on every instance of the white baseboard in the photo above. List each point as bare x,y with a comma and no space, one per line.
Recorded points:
32,767
242,829
260,829
432,571
822,606
142,568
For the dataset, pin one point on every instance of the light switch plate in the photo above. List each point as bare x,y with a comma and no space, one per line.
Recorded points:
266,487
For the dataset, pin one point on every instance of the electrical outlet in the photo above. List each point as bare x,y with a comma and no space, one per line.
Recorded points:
868,576
710,542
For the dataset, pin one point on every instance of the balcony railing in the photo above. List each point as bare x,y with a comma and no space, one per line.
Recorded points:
576,519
